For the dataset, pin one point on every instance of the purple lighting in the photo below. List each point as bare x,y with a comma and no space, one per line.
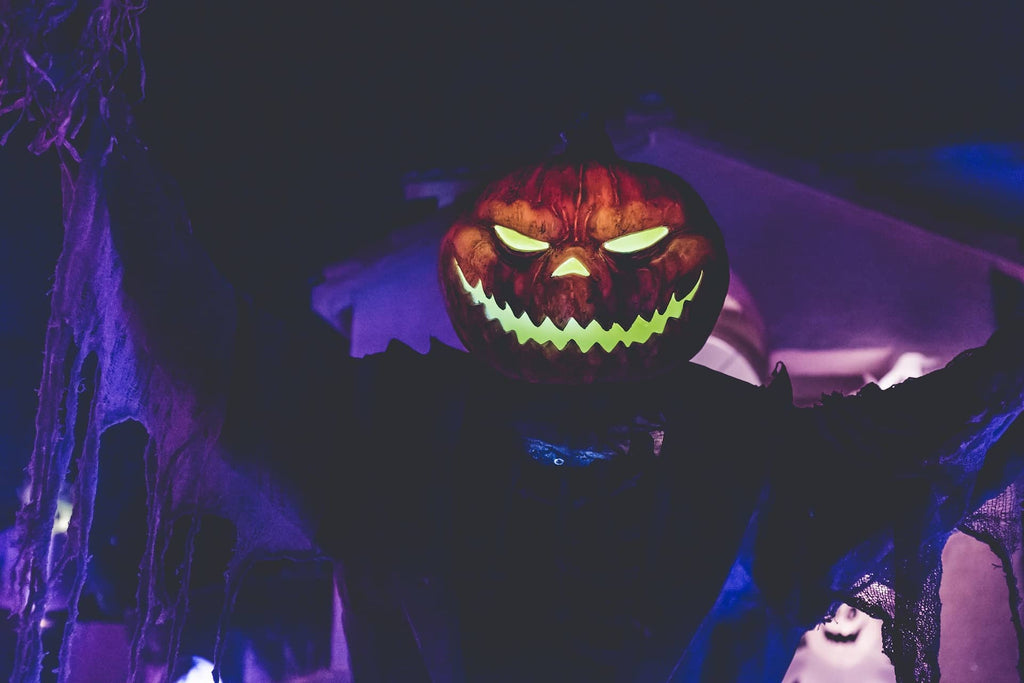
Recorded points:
216,490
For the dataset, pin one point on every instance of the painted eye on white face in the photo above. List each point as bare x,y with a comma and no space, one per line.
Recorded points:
517,241
636,241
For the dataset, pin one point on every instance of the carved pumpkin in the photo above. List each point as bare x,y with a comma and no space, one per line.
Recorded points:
585,268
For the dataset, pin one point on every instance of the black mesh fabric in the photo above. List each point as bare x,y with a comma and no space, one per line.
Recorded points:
907,601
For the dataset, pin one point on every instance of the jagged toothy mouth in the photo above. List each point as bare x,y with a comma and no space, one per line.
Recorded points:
586,337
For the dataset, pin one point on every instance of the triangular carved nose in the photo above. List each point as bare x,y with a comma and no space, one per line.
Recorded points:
571,266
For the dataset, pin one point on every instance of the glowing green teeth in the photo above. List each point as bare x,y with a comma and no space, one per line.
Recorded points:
586,337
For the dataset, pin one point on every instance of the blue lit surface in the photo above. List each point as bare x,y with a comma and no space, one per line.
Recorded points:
986,171
985,179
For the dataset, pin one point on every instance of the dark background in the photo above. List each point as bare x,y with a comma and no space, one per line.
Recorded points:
289,126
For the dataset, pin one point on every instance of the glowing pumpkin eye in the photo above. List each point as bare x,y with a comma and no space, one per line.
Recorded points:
627,244
517,241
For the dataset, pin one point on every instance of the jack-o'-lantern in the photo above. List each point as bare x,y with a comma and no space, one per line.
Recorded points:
585,268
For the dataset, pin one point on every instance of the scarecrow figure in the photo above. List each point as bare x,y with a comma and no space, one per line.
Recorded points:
572,500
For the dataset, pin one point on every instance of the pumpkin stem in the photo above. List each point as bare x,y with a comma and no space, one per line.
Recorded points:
587,138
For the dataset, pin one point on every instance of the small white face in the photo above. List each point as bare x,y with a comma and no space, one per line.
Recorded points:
848,639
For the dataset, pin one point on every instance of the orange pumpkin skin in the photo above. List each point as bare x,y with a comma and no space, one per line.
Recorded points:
576,205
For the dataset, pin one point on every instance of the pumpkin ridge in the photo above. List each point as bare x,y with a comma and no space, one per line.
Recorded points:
579,232
614,184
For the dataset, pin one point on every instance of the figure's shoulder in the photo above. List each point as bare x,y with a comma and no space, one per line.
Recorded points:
694,383
717,407
440,366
